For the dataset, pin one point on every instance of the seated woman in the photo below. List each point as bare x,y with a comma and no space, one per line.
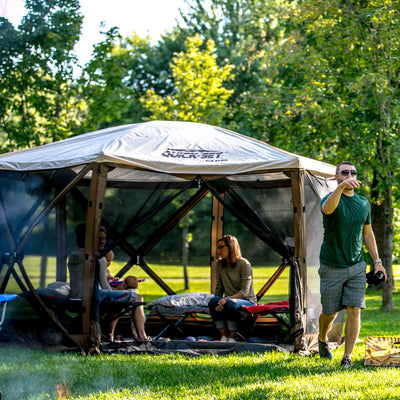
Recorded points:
76,265
138,316
109,257
234,287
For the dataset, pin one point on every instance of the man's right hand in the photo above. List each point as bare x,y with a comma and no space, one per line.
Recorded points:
350,183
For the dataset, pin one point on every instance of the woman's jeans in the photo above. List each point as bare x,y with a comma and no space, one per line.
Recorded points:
230,315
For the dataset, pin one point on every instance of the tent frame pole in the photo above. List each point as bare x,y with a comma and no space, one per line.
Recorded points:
300,231
271,280
217,231
300,239
93,219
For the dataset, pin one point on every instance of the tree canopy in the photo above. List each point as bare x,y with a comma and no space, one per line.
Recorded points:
198,95
38,100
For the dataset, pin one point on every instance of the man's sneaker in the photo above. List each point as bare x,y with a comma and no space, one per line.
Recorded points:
324,350
346,362
223,339
231,340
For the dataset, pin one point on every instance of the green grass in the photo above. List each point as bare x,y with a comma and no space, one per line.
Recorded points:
248,376
34,374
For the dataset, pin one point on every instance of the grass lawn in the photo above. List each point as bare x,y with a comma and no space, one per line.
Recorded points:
34,374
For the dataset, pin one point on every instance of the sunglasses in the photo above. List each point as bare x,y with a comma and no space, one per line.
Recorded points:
221,247
346,172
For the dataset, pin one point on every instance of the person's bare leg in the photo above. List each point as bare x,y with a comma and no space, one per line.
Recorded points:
325,325
138,320
232,334
352,329
111,328
223,332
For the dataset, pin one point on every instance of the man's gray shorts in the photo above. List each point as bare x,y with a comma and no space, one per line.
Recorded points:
341,287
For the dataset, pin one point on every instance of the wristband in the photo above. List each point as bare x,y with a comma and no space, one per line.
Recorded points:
378,261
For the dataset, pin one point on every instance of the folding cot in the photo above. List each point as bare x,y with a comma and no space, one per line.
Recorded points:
174,311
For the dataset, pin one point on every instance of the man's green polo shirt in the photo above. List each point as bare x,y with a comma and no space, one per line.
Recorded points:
343,231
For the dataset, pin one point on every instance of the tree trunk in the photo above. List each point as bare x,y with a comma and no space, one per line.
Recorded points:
382,223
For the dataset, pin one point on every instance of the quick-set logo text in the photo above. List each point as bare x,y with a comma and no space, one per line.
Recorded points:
207,155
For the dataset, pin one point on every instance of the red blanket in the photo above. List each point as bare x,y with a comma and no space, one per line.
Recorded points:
276,306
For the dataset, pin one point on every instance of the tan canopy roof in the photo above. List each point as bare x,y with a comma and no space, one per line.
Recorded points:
176,148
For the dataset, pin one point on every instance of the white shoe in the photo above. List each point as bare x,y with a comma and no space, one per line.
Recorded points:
224,339
231,340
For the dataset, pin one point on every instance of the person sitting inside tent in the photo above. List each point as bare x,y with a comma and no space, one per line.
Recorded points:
234,280
76,264
109,257
106,290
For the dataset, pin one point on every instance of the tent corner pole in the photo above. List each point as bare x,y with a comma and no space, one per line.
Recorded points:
93,219
300,239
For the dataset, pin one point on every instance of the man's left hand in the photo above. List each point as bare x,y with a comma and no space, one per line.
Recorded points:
379,267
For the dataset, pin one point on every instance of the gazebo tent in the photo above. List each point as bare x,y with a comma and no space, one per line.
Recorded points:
146,166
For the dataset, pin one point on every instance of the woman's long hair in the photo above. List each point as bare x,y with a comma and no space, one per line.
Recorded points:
234,250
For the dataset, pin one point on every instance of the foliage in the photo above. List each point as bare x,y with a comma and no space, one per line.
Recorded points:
37,103
241,30
331,86
112,81
103,82
199,95
120,72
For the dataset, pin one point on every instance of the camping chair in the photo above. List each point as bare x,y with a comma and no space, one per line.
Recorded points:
69,310
268,315
111,311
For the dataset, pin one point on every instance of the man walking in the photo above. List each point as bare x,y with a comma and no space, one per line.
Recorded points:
347,224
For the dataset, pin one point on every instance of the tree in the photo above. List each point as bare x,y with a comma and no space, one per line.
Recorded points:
120,72
103,83
332,92
242,31
38,99
396,242
199,94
